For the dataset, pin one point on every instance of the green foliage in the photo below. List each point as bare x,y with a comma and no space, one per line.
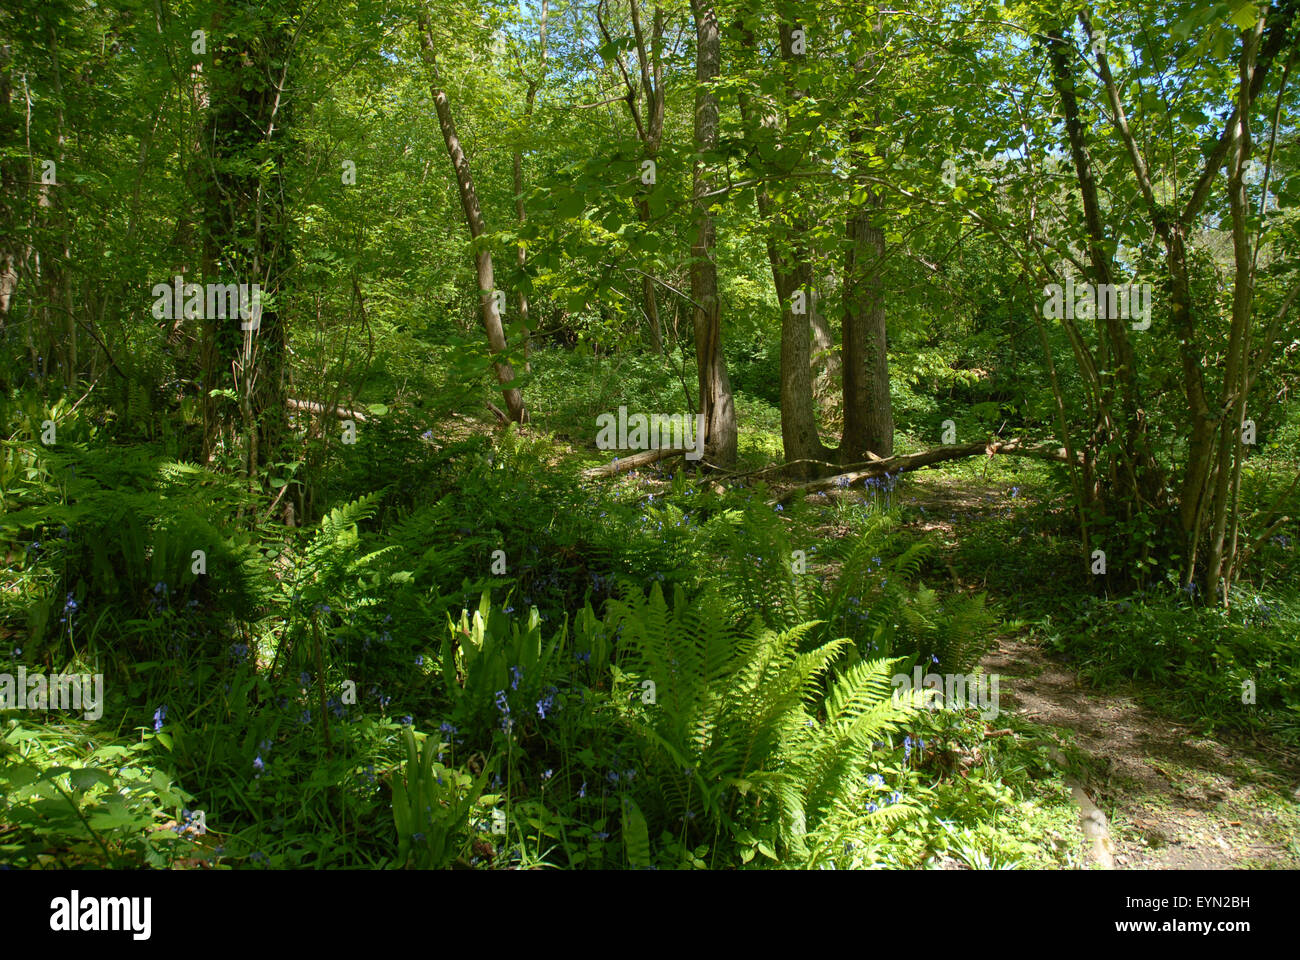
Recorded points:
431,806
738,737
105,811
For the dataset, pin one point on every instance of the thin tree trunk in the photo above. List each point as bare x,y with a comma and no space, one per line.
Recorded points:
1231,450
518,172
475,221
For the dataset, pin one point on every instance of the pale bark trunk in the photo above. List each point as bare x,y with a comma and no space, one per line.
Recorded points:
1231,450
716,402
474,220
518,170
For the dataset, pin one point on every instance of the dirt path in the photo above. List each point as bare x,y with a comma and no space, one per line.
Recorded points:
1174,800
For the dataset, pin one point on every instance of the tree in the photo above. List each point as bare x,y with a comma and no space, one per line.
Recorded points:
474,220
716,402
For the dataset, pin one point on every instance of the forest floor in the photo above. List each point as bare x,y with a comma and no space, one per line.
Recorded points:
1174,799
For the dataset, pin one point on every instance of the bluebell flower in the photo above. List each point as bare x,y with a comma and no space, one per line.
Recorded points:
419,659
258,764
515,676
159,716
547,702
582,790
503,705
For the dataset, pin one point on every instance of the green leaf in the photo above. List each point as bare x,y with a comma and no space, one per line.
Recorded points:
1245,16
636,835
87,777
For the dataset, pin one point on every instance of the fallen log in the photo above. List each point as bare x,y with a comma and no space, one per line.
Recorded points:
624,464
915,461
309,406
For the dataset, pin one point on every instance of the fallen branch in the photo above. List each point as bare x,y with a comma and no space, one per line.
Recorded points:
915,461
319,409
624,464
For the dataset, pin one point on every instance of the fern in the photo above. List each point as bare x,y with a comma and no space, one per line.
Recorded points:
740,738
955,633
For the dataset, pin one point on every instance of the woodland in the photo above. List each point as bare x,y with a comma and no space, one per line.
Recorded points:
649,434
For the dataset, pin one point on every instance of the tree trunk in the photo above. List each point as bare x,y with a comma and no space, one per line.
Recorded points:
1219,559
716,402
868,410
792,279
246,231
868,414
518,171
474,220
